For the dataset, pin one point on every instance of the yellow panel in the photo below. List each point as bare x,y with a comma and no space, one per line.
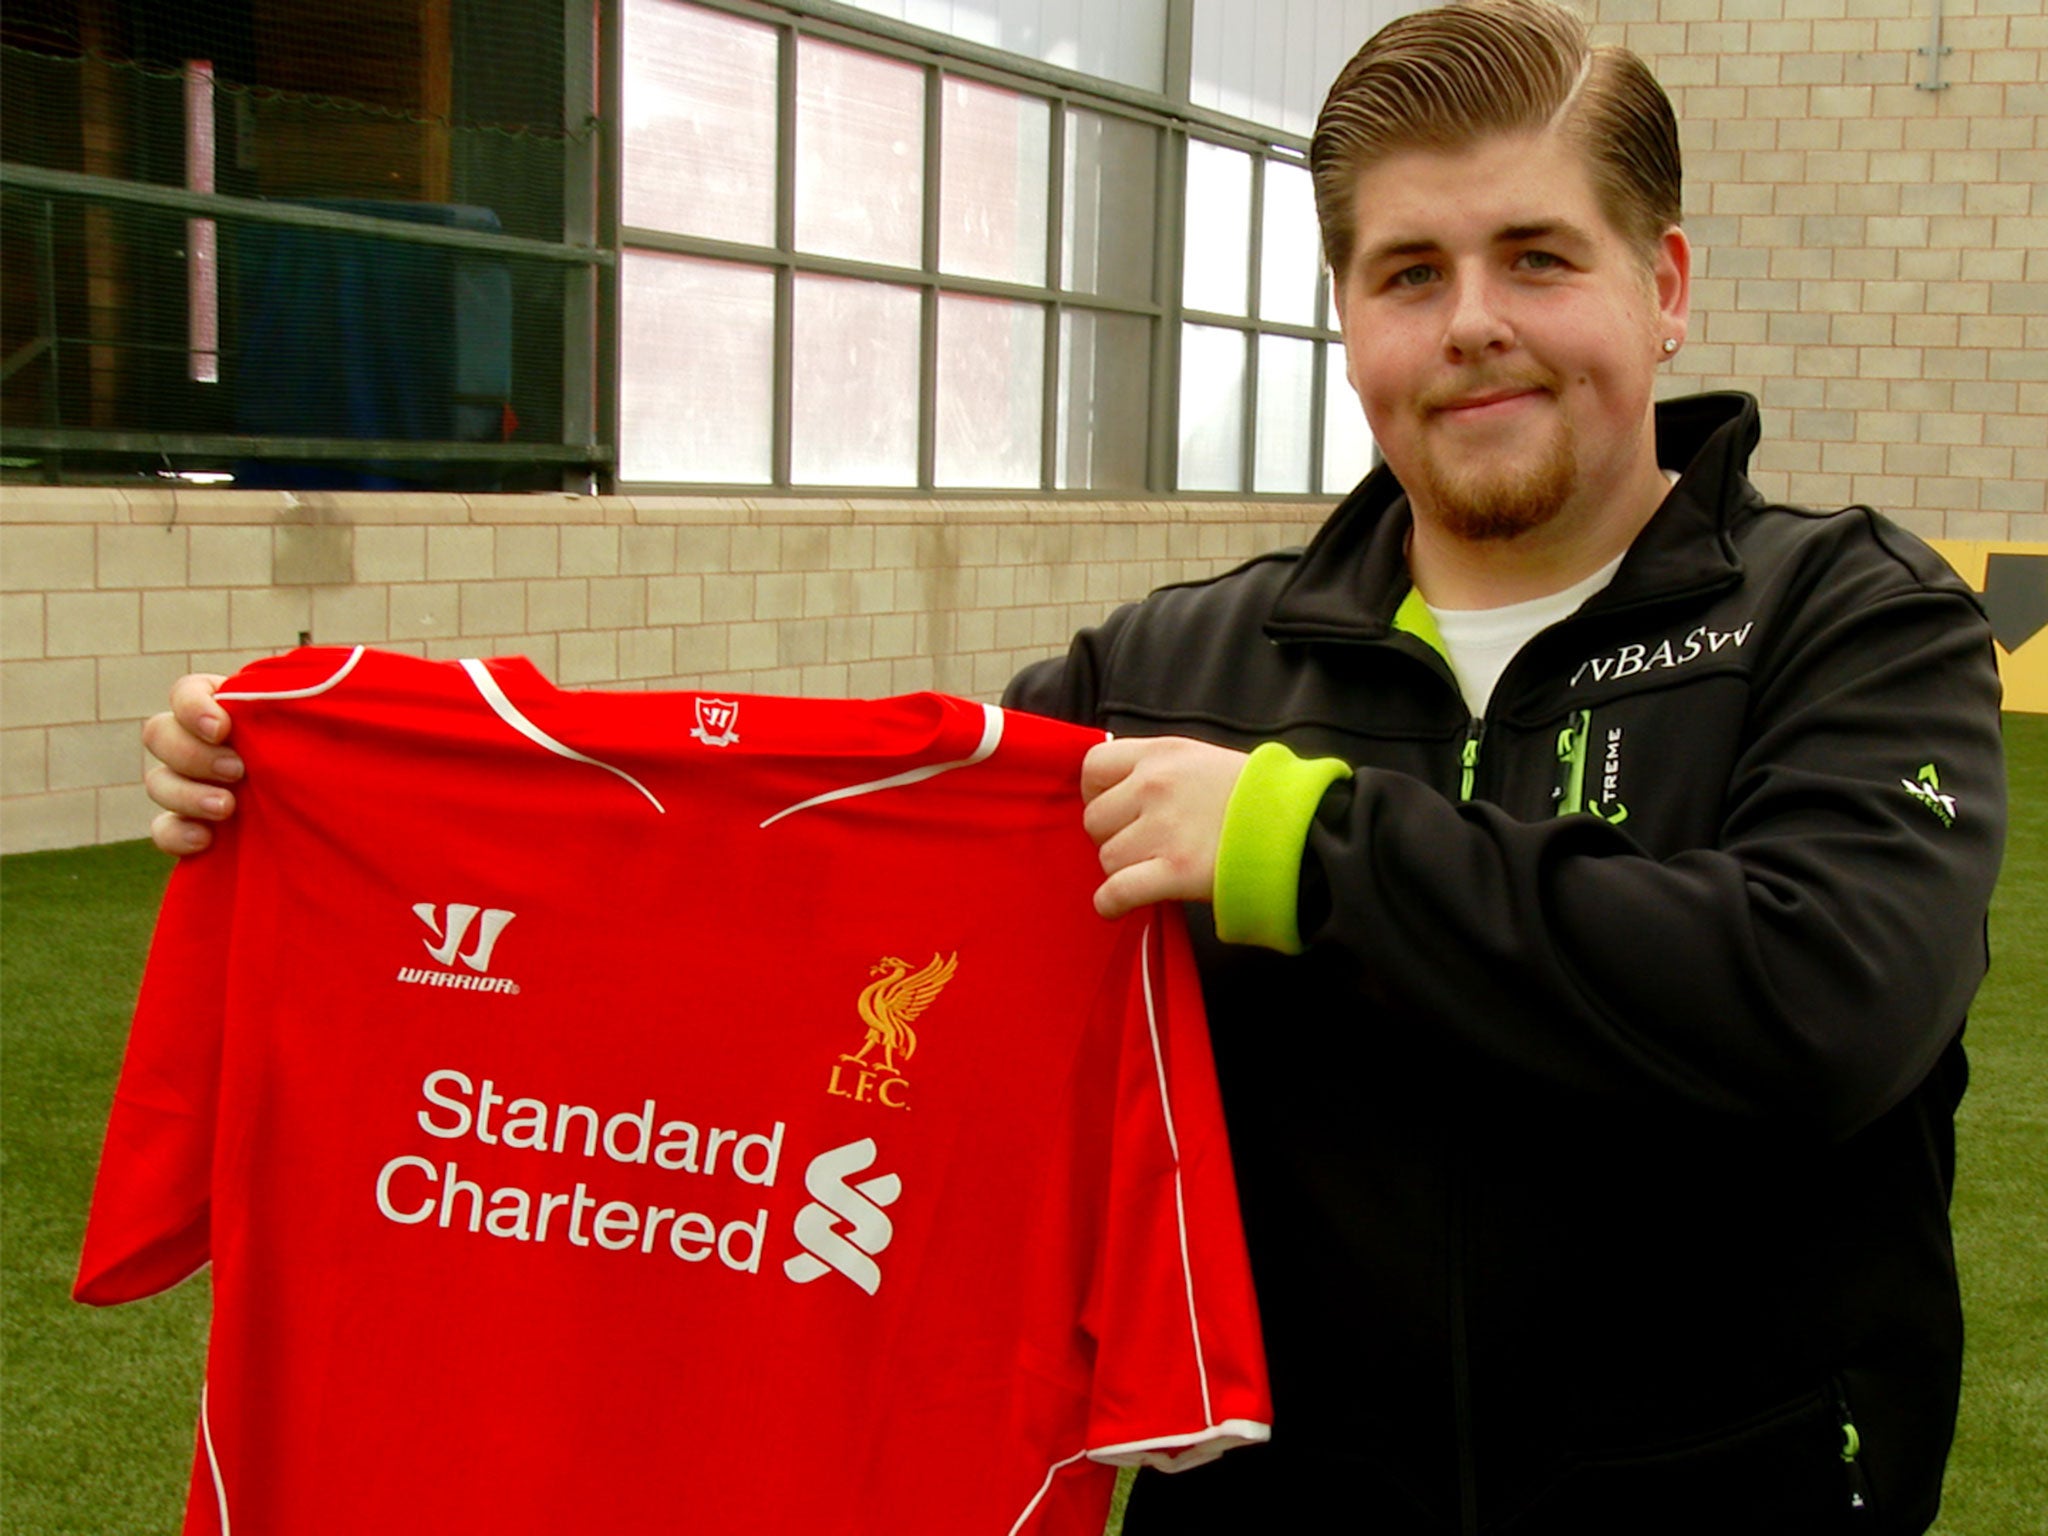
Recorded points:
2017,599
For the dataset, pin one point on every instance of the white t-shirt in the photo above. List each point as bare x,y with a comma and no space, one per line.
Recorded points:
1480,642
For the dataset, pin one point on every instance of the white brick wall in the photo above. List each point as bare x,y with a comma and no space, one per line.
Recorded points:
1872,256
106,596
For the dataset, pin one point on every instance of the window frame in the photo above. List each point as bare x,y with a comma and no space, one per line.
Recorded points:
939,57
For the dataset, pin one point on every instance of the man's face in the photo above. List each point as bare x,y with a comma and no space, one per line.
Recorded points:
1503,337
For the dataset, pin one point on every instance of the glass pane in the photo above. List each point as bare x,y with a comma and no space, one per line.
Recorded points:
1217,274
1109,194
991,392
995,156
859,155
1287,391
1271,63
1104,401
1290,253
853,405
1212,365
1121,40
696,370
1347,440
699,154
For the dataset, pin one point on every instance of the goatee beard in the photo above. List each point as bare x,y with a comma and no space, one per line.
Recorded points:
1480,503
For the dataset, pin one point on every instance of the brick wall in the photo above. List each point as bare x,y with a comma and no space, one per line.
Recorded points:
108,595
1872,256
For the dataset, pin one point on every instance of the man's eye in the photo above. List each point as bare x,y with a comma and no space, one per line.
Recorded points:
1541,260
1414,277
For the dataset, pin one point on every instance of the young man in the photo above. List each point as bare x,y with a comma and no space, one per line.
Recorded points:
1599,858
1596,916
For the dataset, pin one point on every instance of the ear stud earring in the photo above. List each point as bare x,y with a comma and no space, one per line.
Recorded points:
1670,345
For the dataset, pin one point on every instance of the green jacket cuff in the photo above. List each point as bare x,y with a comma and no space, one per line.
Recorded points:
1265,831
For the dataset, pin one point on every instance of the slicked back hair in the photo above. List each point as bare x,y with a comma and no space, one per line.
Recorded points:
1446,78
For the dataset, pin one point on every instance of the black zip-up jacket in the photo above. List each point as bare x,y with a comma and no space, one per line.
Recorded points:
1595,1155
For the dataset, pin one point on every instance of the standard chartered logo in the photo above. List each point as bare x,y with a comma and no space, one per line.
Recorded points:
857,1206
610,1179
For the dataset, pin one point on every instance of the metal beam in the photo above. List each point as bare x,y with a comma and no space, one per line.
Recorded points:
1162,466
611,150
928,302
246,446
585,375
215,205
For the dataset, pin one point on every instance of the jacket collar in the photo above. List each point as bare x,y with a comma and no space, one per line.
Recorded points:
1352,578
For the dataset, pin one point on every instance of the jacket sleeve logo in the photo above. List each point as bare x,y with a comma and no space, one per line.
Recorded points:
858,1207
887,1006
1926,788
717,722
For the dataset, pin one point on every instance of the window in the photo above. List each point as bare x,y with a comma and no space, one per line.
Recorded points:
1259,349
859,155
959,295
696,386
923,245
994,170
699,124
243,241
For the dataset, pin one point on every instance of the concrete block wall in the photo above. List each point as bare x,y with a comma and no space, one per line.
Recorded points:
1872,255
108,595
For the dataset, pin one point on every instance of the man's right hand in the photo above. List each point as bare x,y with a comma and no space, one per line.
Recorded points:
193,764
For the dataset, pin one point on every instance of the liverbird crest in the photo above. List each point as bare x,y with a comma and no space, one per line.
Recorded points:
889,1003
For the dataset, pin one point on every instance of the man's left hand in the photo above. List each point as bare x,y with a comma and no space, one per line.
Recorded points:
1155,809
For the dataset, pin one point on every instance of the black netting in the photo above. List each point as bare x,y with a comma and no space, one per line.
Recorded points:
124,319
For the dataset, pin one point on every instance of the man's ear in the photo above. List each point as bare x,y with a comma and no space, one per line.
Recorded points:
1672,275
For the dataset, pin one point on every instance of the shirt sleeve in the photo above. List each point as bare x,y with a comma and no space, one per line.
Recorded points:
1180,1372
150,1222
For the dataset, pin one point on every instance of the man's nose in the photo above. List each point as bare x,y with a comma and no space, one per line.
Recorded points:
1477,322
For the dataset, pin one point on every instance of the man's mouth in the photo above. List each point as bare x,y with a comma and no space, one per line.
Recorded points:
1476,404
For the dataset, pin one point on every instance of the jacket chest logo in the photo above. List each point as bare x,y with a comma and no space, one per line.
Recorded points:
1665,656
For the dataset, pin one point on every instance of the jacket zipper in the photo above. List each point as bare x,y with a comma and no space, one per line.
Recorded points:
1571,762
1461,1364
1461,1355
1852,1450
1573,743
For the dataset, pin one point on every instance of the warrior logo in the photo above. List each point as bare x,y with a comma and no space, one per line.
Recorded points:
834,1203
717,722
459,919
887,1006
447,942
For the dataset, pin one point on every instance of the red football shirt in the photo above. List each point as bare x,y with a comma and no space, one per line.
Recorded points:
622,1112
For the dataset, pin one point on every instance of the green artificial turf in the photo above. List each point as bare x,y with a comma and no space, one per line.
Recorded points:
1998,1472
98,1406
